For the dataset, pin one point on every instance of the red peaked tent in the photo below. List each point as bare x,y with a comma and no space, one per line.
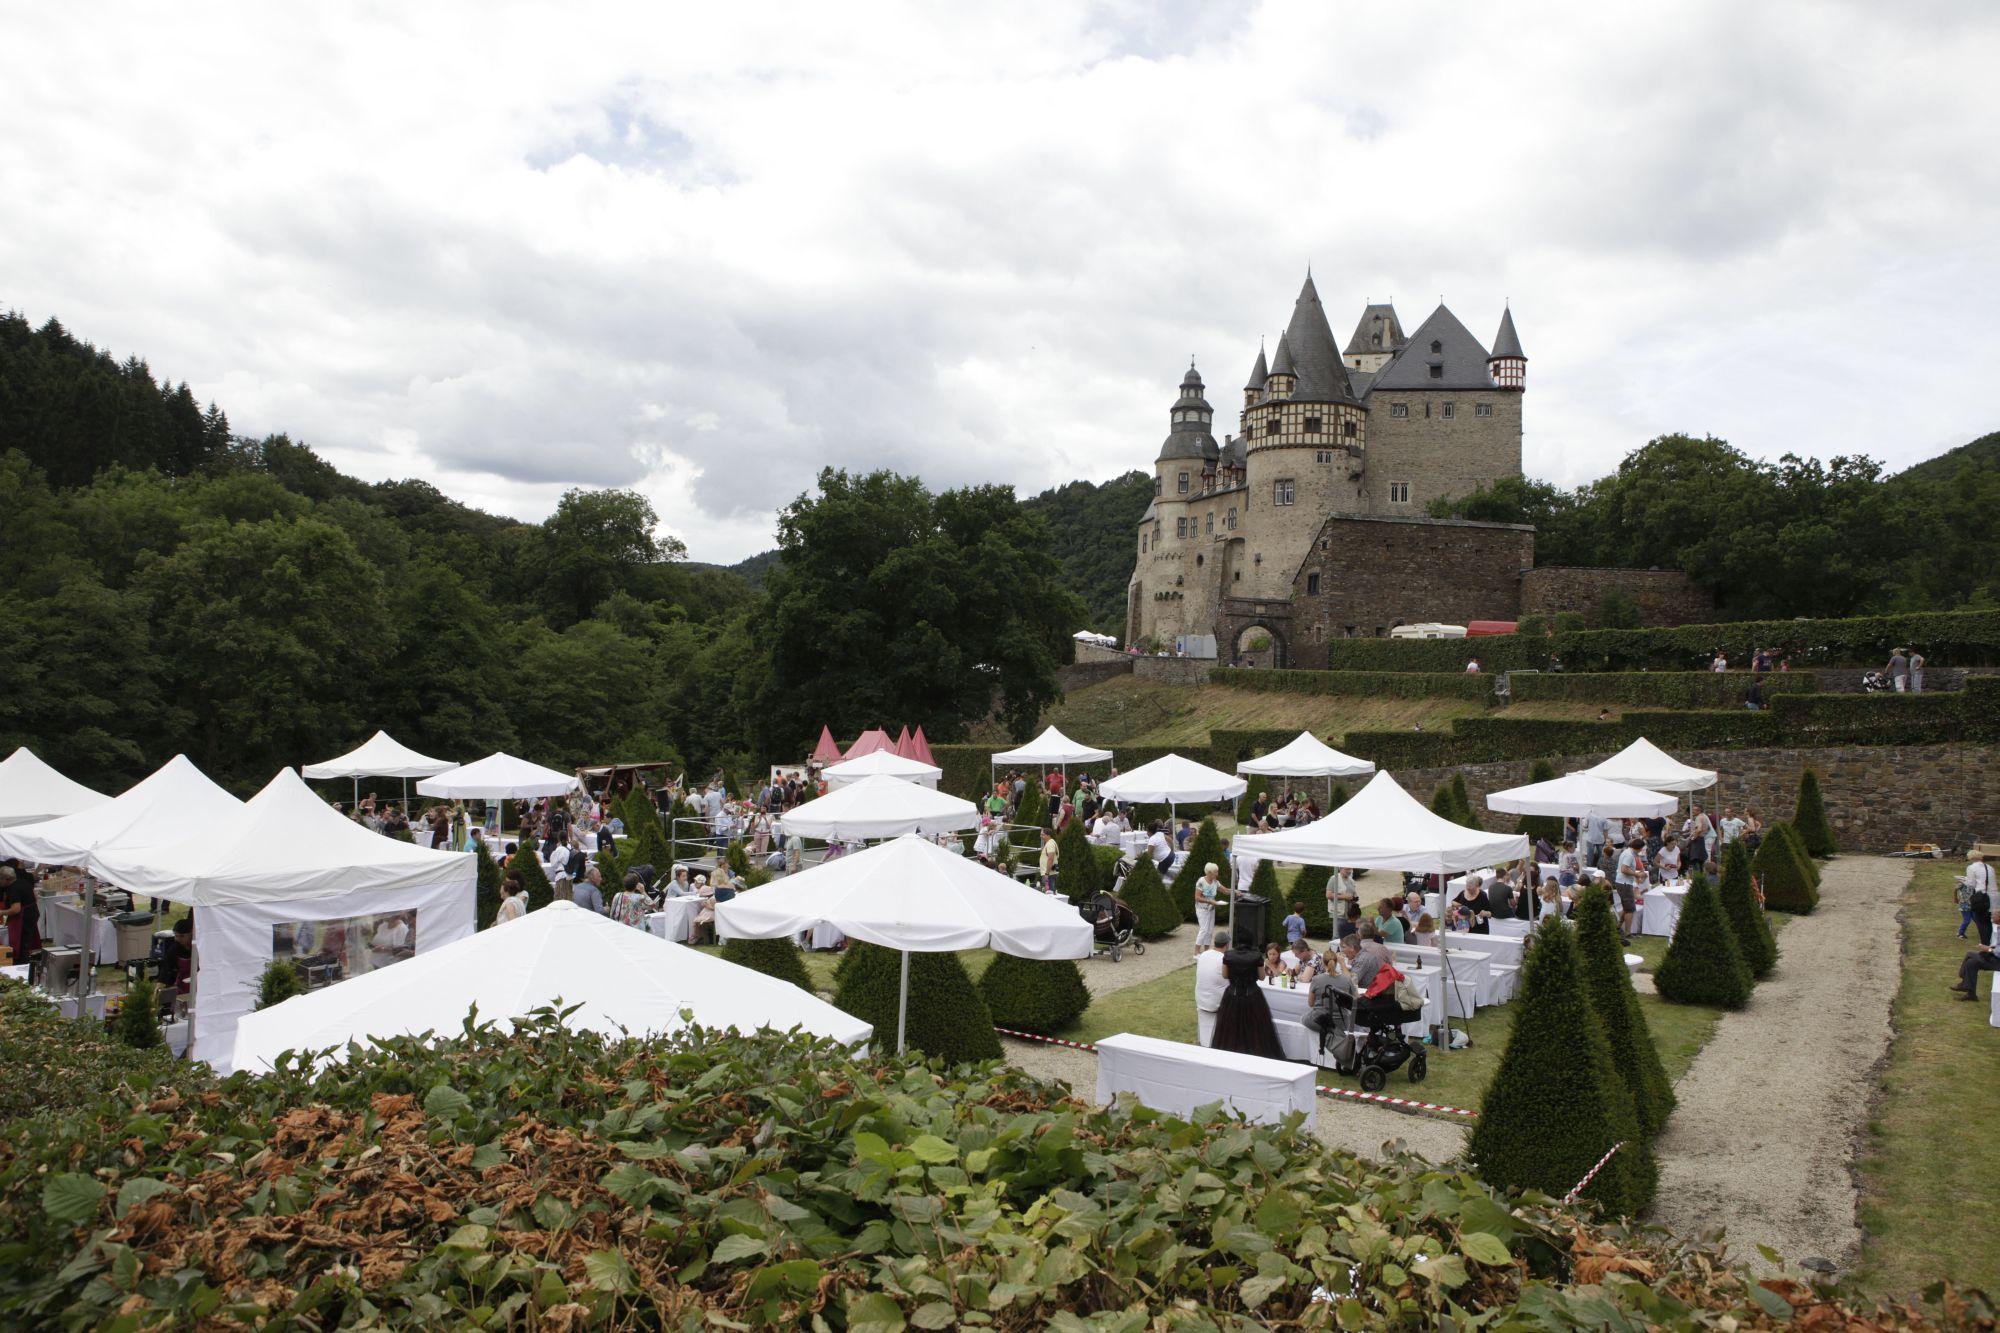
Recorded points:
869,742
828,749
903,743
920,749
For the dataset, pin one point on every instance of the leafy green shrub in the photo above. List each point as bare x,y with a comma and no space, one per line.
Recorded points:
1784,872
1616,1004
1656,689
1309,891
1337,797
1746,915
528,866
57,1066
486,900
1569,622
1146,894
1206,848
1076,864
1033,994
1366,684
1810,819
947,1017
645,842
1541,826
139,1016
774,958
281,980
737,857
401,833
1556,1104
1703,964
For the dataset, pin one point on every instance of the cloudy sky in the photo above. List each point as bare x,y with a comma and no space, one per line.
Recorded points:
705,251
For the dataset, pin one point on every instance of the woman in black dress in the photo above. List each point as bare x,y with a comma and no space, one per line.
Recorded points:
1243,1020
1472,903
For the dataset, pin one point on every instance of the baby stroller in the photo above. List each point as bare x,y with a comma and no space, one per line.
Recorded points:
1875,682
1376,1046
1114,926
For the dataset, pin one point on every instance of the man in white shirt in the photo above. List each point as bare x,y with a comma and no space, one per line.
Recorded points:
1209,984
1631,872
1208,891
1160,850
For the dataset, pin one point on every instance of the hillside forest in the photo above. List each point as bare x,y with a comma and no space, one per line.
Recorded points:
167,585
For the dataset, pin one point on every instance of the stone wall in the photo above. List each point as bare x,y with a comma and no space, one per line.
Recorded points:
1173,670
1081,675
1090,652
1437,456
1664,596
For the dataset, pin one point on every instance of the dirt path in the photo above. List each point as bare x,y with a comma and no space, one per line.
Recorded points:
1167,954
1763,1140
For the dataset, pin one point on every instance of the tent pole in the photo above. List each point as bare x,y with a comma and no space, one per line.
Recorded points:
357,794
1444,963
903,1005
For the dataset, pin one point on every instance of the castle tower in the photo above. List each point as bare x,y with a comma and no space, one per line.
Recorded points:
1377,338
1508,363
1254,388
1189,449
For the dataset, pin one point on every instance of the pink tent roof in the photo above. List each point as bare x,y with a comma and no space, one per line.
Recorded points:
903,743
920,749
869,742
828,749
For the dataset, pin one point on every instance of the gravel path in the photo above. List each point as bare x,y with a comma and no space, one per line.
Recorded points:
1770,1114
1166,954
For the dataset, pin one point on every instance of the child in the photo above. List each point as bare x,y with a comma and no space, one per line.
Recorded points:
1295,924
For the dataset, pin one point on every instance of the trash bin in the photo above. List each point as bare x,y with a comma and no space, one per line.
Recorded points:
1249,921
135,935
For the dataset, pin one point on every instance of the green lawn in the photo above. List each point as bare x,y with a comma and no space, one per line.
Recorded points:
1930,1177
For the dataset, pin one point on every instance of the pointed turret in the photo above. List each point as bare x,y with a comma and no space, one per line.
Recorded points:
1377,337
1314,357
1258,374
1509,364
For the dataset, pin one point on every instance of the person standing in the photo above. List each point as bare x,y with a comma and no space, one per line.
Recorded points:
22,913
1916,671
1701,840
514,900
1899,671
589,891
1976,897
1209,984
1595,831
1208,891
1631,872
1051,856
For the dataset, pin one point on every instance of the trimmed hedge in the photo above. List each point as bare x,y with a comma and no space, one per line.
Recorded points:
1785,874
1146,894
948,1018
1076,864
1746,915
486,899
774,958
1809,819
1541,826
1370,684
1309,890
1033,994
1616,1004
528,866
1556,1104
1703,964
1869,719
645,842
1655,689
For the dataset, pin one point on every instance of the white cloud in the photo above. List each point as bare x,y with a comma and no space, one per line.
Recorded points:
519,248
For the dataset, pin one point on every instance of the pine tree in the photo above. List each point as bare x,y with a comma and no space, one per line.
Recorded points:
1746,915
1076,864
778,958
1033,994
139,1016
1810,822
1542,826
1337,798
486,900
1556,1104
529,867
737,857
1146,894
1462,802
1782,869
1309,891
948,1019
1703,964
1205,849
1264,883
1442,804
1619,1014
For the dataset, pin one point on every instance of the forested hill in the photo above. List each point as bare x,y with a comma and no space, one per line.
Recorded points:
1095,526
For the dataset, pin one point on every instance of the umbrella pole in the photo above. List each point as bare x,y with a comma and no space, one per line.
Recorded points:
903,1005
1444,967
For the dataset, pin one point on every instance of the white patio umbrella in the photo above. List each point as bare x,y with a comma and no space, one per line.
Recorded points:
882,763
1582,795
380,756
910,894
879,807
1307,756
1644,764
31,791
499,777
624,980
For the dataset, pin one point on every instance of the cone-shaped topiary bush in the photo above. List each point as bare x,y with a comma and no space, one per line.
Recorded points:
486,902
1076,866
1542,826
1556,1104
1618,1013
282,980
1703,964
947,1017
1264,883
1146,894
139,1016
1206,847
1788,884
1309,891
1338,797
529,867
1462,802
1032,813
1442,804
1810,819
737,857
1754,939
774,958
1798,846
645,843
1033,994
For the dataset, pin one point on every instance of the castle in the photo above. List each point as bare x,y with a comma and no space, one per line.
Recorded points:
1310,523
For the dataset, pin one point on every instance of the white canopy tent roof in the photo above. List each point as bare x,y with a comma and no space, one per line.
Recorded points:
1383,827
1582,795
380,756
31,791
176,800
1174,778
623,979
882,763
498,777
879,807
911,894
1307,756
1644,764
1052,747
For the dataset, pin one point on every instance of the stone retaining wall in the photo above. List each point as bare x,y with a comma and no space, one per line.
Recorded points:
1079,675
1173,670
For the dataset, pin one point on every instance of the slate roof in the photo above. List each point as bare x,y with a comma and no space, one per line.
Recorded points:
1378,331
1281,364
1507,342
1309,341
1462,357
1258,373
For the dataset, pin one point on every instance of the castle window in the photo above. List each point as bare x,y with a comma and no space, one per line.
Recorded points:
1312,584
1271,426
1156,485
1482,409
1399,492
1437,371
1232,518
1208,526
1183,488
1450,411
1350,430
1312,425
1239,576
1436,346
1284,492
1142,543
1180,526
1197,560
1399,409
1323,456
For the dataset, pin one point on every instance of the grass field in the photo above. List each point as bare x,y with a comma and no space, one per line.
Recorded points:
1930,1203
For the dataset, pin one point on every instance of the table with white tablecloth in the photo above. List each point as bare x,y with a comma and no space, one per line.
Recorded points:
63,923
1503,952
1176,1077
1473,982
1510,927
1660,909
674,919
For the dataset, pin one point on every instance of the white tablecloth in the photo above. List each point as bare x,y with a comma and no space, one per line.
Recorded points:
1131,844
1511,928
1175,1077
1501,951
64,925
1660,910
671,922
1473,982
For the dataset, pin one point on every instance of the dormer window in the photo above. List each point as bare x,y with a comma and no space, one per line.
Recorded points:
1436,346
1437,371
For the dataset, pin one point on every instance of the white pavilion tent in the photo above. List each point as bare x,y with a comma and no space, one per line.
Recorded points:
1582,795
31,791
1053,749
624,980
882,763
380,756
287,866
910,894
1307,756
1173,779
499,777
1644,764
879,807
175,800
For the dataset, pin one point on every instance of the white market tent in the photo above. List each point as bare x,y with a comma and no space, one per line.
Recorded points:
623,980
1307,756
380,756
31,791
879,807
1582,795
910,894
1052,748
498,777
882,763
286,858
1644,764
1174,779
175,800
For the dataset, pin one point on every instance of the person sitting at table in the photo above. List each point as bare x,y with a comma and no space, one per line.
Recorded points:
1273,966
1473,906
703,928
513,899
1568,866
1545,851
630,904
1161,850
1389,920
1426,932
1349,921
1243,1019
589,891
1303,963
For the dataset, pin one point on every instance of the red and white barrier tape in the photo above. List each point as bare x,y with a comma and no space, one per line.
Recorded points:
1591,1174
1051,1041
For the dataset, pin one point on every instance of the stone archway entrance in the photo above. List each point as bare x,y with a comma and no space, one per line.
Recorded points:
1258,644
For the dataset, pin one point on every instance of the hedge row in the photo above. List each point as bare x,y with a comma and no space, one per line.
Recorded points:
1373,684
1651,689
1959,638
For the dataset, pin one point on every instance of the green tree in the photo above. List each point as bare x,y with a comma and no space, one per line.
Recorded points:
1033,994
1703,964
280,981
1090,527
592,543
1146,895
1784,873
1616,1005
139,1015
1076,867
645,844
1810,821
1309,891
529,867
1556,1104
1030,814
486,900
1461,802
1206,849
948,1019
1337,798
774,958
1746,915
